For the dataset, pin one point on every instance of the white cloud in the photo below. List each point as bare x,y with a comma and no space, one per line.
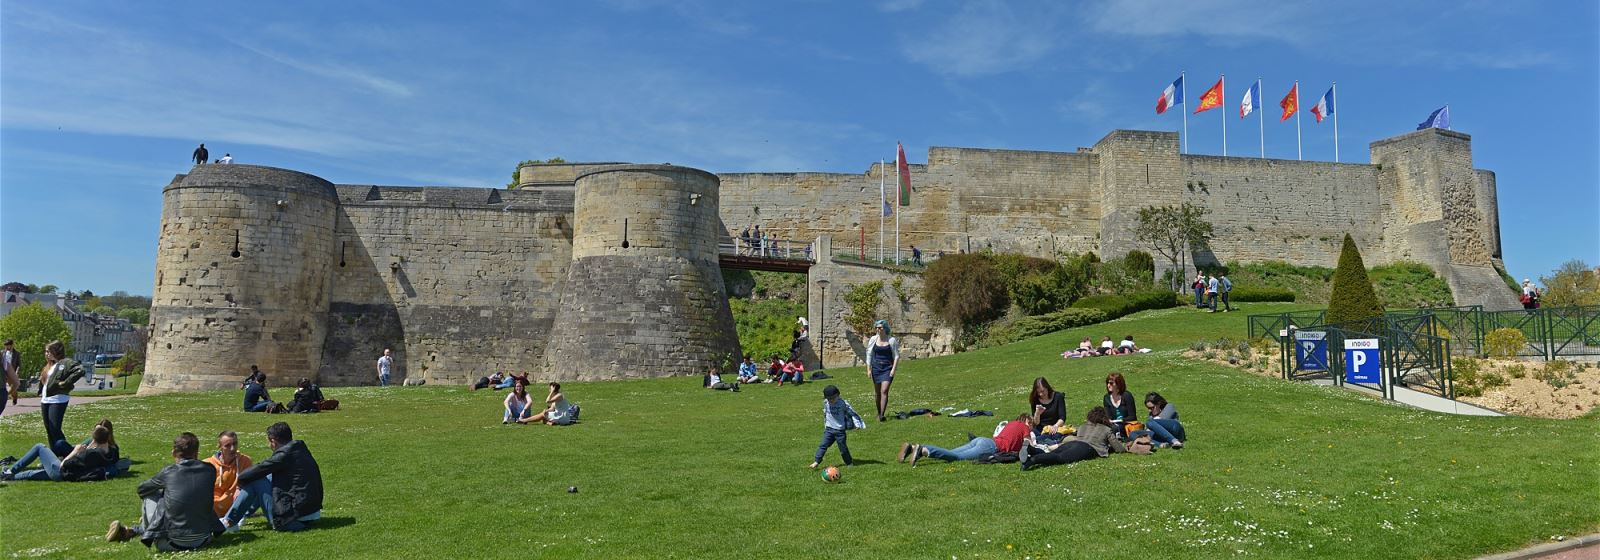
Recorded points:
983,38
331,70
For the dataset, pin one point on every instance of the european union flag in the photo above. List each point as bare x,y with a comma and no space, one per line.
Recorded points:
1439,119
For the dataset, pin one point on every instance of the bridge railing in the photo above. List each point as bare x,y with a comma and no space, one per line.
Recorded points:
767,248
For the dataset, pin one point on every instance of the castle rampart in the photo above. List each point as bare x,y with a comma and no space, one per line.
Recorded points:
282,269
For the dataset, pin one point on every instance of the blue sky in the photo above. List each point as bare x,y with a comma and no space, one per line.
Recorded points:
101,103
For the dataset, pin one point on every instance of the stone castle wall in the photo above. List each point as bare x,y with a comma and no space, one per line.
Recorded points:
462,282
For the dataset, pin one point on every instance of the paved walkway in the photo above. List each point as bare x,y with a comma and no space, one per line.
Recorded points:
26,405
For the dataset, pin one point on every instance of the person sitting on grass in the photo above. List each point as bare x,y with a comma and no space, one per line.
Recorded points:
775,369
1049,407
794,371
1164,427
96,459
558,411
1107,347
713,380
286,487
177,513
1007,440
228,462
256,398
306,397
516,404
1097,437
747,371
1118,402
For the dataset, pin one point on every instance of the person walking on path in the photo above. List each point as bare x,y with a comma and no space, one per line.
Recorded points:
1226,286
385,367
200,155
10,362
883,358
56,381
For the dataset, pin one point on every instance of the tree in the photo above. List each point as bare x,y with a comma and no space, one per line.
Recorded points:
135,315
965,290
33,326
1573,283
103,310
1174,232
515,180
1353,298
48,289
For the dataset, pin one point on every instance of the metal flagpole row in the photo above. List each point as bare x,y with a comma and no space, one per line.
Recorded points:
1184,85
1335,90
882,202
897,186
1299,154
1261,118
1224,111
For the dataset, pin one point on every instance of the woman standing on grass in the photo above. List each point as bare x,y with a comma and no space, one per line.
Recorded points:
56,380
1049,407
1118,402
883,357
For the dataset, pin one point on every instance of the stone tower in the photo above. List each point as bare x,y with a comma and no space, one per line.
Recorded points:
644,294
242,277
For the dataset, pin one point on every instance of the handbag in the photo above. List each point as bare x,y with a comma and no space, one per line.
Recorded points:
1141,446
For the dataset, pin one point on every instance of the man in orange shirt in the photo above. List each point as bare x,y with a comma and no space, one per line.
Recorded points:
229,462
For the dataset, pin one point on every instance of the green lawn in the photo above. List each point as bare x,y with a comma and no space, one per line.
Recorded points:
1273,469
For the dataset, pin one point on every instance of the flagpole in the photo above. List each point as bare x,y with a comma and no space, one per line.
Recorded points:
1298,153
1224,83
1261,119
1184,85
882,201
1447,111
898,184
1336,122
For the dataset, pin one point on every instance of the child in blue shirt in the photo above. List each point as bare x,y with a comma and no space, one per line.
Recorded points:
837,417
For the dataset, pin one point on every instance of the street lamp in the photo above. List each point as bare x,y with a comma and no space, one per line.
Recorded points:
822,325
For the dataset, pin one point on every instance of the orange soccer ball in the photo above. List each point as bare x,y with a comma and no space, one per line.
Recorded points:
830,474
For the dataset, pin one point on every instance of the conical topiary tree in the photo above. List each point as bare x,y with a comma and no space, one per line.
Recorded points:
1353,298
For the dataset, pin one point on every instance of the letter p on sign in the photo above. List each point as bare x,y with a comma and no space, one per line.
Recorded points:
1362,363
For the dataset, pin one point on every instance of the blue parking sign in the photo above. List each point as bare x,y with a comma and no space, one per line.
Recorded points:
1311,350
1362,363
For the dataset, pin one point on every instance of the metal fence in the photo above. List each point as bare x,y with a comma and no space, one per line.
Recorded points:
1551,332
1411,355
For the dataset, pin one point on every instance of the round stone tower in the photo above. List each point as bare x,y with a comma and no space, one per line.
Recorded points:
242,278
644,294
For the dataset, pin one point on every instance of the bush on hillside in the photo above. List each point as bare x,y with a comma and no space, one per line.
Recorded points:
965,290
1260,294
1140,261
1116,306
1404,285
1036,325
1353,298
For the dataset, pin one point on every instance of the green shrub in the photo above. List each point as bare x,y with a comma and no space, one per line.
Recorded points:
1036,325
1410,284
1517,371
1260,294
1467,374
1116,306
1140,262
1052,290
1504,343
1353,298
965,290
863,301
1198,346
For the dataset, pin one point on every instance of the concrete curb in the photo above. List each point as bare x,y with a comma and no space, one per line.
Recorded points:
1547,549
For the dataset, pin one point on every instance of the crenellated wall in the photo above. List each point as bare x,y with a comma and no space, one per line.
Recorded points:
278,268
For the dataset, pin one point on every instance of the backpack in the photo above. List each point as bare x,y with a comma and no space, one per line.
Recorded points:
997,458
574,412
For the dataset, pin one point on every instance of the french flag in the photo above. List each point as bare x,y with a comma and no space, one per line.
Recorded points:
1170,97
1252,99
1324,107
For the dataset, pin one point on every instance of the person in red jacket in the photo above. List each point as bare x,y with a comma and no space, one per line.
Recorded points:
1007,440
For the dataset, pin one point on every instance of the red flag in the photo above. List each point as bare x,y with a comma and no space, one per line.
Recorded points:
1290,103
904,171
1212,98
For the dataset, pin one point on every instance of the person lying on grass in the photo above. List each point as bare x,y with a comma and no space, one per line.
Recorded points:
1007,440
1096,438
713,380
1127,346
96,459
558,411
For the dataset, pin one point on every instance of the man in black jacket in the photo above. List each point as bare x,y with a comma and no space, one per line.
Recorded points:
287,486
177,503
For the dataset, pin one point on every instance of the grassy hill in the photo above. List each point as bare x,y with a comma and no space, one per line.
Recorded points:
1273,469
1401,285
